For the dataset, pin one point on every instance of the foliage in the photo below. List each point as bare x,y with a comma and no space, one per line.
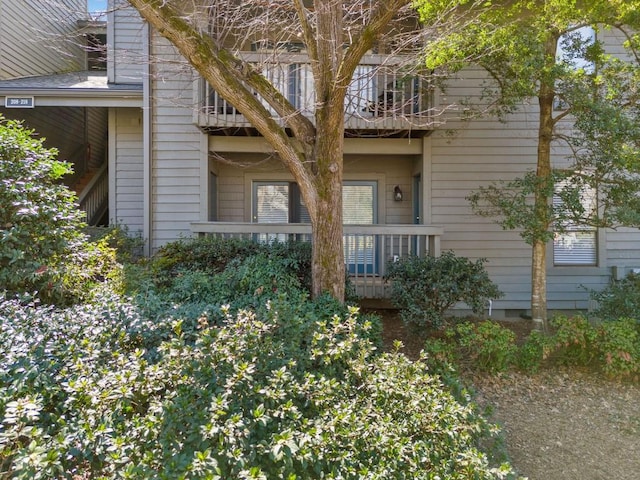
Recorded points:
489,346
424,288
206,253
42,247
620,299
257,275
97,391
511,203
532,353
128,246
211,255
574,340
611,347
618,346
536,50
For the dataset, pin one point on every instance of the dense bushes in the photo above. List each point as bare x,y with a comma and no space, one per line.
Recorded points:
212,255
424,288
621,299
612,347
252,279
42,247
222,372
98,391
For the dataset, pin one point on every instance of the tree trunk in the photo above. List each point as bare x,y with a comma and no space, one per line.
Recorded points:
327,260
543,172
312,153
328,253
539,285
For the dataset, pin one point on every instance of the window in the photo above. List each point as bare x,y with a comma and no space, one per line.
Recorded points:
281,202
213,197
278,202
572,49
577,244
359,207
572,53
97,51
576,247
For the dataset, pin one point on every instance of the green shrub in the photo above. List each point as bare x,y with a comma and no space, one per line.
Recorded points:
246,282
206,253
128,246
535,350
424,288
573,341
279,394
441,354
612,347
618,346
486,345
621,299
213,254
42,248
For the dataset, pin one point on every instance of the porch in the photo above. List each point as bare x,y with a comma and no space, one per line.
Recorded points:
385,94
367,248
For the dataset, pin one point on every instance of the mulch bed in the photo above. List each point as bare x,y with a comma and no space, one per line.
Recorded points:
561,424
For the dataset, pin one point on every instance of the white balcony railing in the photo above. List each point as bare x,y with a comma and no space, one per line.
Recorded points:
367,248
382,94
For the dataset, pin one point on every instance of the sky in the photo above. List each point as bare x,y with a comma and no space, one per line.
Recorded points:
97,5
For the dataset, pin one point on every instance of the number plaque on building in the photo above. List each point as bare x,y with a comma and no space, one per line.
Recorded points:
19,102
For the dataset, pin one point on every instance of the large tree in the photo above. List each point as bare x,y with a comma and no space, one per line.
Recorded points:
588,102
336,34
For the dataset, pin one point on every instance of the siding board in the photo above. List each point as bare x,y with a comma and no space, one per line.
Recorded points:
129,201
40,38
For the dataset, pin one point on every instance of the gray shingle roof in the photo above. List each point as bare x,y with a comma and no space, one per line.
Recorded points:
88,80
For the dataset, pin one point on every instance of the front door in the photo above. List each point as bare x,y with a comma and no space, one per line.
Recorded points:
359,207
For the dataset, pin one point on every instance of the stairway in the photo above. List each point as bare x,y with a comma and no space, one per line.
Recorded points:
93,194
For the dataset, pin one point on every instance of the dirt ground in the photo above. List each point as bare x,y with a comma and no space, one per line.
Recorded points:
560,424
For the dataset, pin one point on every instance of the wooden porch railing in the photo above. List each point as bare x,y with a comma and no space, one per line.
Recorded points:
367,248
94,197
382,94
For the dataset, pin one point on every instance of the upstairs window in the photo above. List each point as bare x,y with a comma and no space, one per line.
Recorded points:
576,244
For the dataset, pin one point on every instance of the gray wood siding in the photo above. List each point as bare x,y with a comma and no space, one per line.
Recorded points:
40,38
175,192
125,50
623,248
127,177
234,202
482,151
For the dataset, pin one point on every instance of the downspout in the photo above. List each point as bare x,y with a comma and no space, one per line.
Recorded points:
147,220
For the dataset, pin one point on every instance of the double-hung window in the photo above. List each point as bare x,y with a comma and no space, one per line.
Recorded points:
281,202
576,243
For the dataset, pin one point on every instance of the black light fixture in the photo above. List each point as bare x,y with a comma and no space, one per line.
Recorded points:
397,193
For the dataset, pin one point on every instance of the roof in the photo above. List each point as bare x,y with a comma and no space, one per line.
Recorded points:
88,89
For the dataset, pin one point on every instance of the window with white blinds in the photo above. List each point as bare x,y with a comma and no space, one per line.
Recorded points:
359,207
271,202
578,247
281,202
576,244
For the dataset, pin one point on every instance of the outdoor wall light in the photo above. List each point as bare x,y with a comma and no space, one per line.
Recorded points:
397,193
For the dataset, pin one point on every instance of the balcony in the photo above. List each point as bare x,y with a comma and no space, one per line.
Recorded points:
367,248
383,95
